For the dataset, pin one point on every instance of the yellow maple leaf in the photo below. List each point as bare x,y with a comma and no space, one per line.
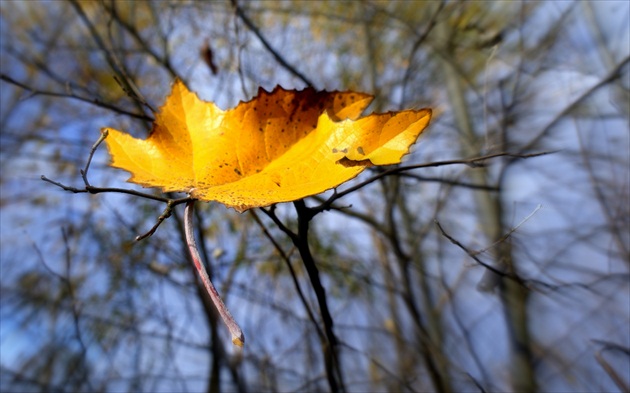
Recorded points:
279,147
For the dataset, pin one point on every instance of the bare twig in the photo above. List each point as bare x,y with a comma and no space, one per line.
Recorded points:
93,101
599,356
296,283
470,253
133,31
451,182
84,171
416,45
98,190
615,73
509,233
276,55
471,162
112,60
328,340
75,303
170,203
165,214
331,348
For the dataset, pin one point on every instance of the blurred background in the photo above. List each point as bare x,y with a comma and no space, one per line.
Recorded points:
407,262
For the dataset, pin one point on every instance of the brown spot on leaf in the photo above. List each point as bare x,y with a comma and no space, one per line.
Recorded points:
350,163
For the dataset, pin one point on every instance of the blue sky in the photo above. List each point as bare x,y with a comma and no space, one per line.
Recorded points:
554,193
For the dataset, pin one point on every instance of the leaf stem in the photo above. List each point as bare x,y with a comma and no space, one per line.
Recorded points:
237,334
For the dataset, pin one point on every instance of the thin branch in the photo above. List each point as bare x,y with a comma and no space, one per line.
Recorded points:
133,31
474,162
99,190
375,361
168,210
296,282
170,202
612,75
93,101
529,283
510,232
111,59
84,171
451,182
331,346
76,310
429,344
75,303
416,45
617,379
271,213
276,55
328,341
471,254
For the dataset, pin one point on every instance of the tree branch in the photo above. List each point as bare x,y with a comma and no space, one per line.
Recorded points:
331,348
276,55
93,101
471,162
170,203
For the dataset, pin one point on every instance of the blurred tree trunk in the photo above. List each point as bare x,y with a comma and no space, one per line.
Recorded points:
512,292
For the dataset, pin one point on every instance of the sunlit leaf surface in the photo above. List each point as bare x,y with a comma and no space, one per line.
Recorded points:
279,147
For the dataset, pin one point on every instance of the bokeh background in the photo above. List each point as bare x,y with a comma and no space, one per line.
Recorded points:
407,262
